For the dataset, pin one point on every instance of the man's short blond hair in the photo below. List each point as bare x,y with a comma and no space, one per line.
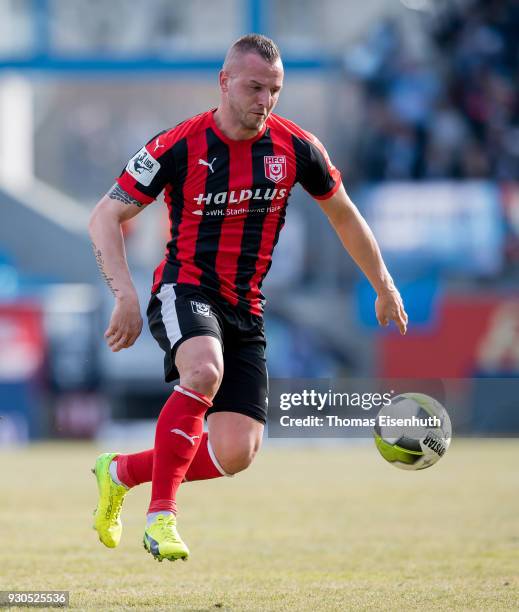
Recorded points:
254,43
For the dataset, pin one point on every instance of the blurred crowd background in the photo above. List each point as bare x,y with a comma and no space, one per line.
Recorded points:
418,105
449,111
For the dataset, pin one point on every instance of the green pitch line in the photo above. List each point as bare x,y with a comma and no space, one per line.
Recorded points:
303,529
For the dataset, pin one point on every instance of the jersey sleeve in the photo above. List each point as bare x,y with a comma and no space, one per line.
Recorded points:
316,173
149,170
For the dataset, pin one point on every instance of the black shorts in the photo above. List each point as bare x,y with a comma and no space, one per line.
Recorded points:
177,312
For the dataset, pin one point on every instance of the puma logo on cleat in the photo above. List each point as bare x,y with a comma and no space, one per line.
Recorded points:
184,435
202,162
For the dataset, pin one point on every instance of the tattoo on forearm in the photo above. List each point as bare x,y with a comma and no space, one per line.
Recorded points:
116,193
101,265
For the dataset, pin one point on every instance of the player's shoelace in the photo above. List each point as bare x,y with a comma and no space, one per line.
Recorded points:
167,527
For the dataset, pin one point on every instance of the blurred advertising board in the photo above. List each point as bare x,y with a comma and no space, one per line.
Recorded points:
510,199
472,335
455,226
473,342
22,357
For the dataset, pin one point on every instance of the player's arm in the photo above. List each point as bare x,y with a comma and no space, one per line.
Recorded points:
116,207
359,241
139,184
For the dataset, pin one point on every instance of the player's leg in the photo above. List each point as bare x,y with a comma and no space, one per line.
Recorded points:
179,430
199,361
136,468
175,316
235,439
235,421
116,474
236,452
238,415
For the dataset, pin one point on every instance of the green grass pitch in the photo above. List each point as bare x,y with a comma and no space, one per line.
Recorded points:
305,528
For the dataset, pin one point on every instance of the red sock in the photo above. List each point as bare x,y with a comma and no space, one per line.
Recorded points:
179,430
137,468
205,465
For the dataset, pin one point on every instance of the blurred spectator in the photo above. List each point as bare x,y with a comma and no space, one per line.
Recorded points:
455,115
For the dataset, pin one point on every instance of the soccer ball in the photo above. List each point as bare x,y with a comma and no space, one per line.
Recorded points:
413,432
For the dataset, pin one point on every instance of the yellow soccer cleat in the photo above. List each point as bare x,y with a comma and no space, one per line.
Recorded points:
107,521
161,539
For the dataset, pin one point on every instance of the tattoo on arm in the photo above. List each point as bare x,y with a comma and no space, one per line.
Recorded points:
116,193
101,265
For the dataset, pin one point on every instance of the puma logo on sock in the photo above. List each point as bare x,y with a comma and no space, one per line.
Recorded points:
184,435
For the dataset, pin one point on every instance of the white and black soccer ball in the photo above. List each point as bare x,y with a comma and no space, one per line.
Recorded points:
413,432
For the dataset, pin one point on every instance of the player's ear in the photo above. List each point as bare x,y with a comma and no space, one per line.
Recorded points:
223,79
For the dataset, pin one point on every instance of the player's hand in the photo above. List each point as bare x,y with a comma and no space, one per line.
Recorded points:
125,324
390,307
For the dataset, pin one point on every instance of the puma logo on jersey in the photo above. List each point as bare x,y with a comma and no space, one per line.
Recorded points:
202,162
158,145
184,435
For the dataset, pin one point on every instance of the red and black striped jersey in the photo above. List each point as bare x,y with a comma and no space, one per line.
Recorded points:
227,199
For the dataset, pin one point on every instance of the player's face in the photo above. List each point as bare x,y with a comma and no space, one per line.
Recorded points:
251,89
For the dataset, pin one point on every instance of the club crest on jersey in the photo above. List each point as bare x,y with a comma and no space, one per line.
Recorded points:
275,167
200,308
143,167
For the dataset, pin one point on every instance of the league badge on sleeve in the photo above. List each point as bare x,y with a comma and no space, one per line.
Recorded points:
143,167
275,167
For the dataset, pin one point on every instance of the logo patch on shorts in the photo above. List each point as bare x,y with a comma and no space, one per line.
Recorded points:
200,308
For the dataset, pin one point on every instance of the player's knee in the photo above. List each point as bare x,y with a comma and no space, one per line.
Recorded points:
202,377
236,458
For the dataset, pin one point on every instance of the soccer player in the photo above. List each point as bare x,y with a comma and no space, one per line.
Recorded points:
226,176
